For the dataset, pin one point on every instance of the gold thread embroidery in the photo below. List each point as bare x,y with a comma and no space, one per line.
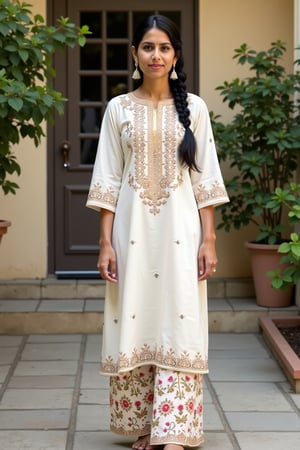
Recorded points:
181,439
125,102
149,356
155,164
216,191
120,430
98,193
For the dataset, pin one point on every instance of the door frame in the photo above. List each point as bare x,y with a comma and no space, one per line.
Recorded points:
60,60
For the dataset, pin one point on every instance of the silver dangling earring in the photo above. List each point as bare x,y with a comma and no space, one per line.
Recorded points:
136,74
174,75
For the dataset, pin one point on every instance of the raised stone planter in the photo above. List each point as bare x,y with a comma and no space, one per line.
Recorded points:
279,346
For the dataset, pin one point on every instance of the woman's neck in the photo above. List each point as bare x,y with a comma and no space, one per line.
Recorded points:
154,91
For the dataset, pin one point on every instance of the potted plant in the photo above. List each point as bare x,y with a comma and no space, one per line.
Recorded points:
27,97
261,144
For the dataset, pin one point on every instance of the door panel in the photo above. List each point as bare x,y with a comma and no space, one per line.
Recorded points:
89,77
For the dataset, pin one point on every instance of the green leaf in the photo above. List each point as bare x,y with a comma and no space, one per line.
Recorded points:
10,48
39,18
24,55
17,73
37,117
82,41
295,237
59,37
277,283
14,59
284,247
4,29
85,30
15,103
48,100
296,251
9,187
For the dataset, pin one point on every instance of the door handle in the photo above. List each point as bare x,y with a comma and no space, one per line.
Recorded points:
65,150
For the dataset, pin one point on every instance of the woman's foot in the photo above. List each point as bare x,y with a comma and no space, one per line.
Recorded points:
143,443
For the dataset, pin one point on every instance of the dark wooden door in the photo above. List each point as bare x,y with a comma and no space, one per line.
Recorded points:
89,77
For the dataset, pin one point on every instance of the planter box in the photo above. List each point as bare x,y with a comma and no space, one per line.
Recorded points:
281,349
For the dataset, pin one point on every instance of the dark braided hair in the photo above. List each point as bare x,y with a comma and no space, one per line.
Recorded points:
187,147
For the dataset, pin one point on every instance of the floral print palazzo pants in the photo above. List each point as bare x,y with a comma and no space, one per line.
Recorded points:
163,403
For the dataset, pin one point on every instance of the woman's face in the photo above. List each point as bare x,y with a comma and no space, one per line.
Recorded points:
155,54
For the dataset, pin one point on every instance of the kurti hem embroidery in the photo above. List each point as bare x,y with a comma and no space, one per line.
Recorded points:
160,357
104,372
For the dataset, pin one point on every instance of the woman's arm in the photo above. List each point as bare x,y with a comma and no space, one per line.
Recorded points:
107,263
207,257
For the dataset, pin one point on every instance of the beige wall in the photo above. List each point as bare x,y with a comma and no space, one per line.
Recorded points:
23,251
224,25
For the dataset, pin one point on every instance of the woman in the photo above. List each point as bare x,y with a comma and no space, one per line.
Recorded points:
156,182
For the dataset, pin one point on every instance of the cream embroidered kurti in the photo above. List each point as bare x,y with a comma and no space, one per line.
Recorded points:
157,312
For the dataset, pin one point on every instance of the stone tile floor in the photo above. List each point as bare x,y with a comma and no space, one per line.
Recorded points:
52,397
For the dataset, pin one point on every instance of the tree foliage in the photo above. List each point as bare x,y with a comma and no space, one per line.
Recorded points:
27,96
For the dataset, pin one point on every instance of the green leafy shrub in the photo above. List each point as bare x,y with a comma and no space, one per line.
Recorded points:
27,97
290,198
261,142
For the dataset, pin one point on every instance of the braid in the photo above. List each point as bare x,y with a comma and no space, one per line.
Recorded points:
187,147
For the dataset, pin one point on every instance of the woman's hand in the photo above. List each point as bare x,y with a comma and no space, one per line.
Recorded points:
207,260
207,256
107,263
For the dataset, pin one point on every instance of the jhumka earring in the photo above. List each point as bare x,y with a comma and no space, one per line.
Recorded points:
136,74
174,75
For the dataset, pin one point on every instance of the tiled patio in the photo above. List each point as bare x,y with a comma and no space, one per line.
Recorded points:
52,397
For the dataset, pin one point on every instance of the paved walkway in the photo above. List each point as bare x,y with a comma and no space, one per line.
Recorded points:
52,397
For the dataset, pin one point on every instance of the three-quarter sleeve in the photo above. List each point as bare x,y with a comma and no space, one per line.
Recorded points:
208,184
109,163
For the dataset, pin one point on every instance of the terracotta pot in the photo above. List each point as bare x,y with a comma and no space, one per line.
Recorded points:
4,224
264,258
